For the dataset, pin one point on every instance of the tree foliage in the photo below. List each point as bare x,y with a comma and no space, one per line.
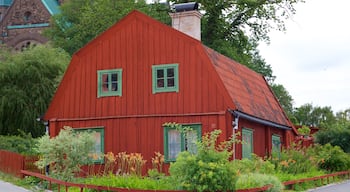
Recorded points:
81,21
235,27
28,80
309,115
65,153
284,98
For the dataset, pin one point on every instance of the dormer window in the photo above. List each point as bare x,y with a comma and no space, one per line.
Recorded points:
109,82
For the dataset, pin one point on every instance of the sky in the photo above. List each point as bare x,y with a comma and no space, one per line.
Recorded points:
312,58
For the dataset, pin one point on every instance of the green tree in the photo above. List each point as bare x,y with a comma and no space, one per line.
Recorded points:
309,115
285,99
28,80
65,153
235,27
81,21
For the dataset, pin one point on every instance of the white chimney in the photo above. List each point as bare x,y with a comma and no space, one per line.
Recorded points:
187,19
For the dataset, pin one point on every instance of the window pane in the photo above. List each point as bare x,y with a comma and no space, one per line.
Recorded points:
171,82
160,73
114,77
170,72
105,82
191,139
160,83
174,143
114,86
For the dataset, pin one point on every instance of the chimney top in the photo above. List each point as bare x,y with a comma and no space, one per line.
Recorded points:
187,19
185,7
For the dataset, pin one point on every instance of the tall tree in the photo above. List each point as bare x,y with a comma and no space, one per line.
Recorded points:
285,100
235,27
28,80
309,115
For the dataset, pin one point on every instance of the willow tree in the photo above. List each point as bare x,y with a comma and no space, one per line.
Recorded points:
28,81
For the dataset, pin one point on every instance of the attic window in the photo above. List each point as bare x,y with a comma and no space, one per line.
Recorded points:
27,16
165,78
109,82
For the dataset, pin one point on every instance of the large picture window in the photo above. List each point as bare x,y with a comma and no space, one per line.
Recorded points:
165,78
97,154
109,82
176,141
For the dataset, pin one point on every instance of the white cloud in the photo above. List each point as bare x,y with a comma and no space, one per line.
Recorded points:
312,59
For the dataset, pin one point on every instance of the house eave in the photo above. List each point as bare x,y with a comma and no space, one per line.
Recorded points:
240,114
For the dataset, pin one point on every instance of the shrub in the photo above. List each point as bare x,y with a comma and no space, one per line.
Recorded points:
336,137
253,180
65,153
256,164
207,170
19,144
332,158
295,160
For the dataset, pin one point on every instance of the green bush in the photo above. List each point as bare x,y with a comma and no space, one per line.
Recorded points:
253,180
336,137
19,144
332,158
65,153
208,170
256,165
295,160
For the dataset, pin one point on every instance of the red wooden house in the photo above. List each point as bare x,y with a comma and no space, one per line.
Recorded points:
139,74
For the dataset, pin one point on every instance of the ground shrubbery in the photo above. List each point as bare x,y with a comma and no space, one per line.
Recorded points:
18,144
209,169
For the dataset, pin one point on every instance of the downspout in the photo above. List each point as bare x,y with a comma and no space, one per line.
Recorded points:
234,128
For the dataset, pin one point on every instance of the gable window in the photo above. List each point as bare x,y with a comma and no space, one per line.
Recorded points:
276,146
247,143
27,16
97,154
109,82
175,141
165,78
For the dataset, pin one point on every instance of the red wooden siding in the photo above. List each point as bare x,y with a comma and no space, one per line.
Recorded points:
134,46
143,134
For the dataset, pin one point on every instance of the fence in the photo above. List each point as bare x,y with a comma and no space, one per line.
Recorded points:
13,163
66,185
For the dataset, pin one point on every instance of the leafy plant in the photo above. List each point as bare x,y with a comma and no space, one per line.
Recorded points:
304,130
253,180
332,158
255,165
65,153
23,144
207,170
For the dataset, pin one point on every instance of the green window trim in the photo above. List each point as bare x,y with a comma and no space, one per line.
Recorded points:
195,127
101,132
276,145
107,81
165,78
247,148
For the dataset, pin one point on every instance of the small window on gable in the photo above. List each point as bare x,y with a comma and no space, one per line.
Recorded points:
27,16
109,83
97,154
175,141
165,78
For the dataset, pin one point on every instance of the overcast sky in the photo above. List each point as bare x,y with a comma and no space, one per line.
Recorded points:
312,59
